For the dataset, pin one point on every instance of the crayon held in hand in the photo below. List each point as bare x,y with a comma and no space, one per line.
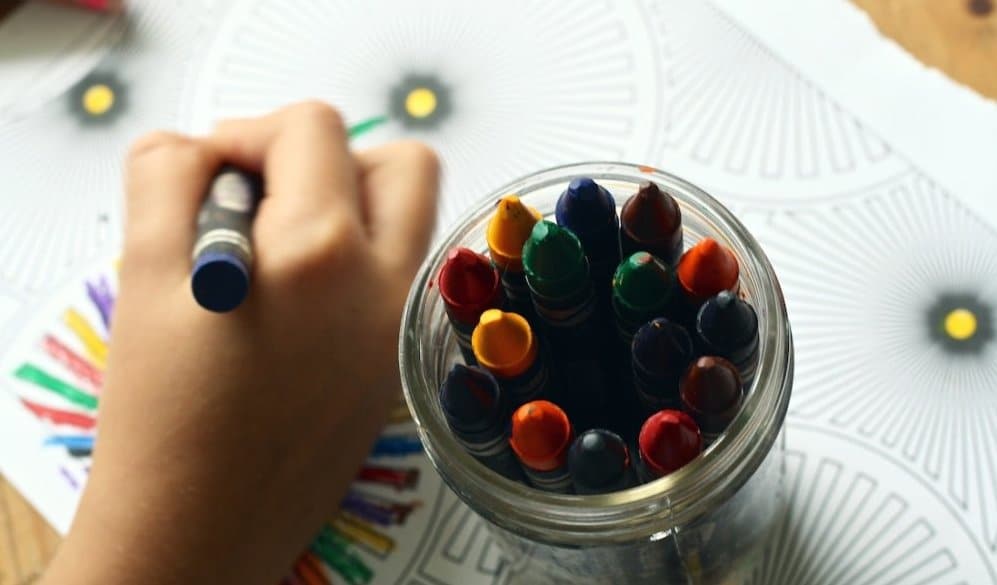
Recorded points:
668,440
599,462
469,286
727,326
223,252
508,230
504,344
711,394
478,415
651,221
589,211
541,436
661,352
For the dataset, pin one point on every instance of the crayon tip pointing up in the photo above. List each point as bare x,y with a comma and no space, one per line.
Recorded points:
541,433
467,279
470,397
708,268
651,214
668,440
711,385
585,206
552,252
509,229
504,343
642,281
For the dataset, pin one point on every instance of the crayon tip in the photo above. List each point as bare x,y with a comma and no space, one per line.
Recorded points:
668,440
708,268
553,254
642,282
541,434
468,283
503,343
220,282
598,458
711,385
727,322
653,219
585,206
508,230
661,346
470,398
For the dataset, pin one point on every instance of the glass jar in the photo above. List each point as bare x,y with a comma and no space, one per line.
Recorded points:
706,522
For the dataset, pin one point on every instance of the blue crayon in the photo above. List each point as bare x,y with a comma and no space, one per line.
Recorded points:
396,446
478,415
661,352
74,442
589,211
600,463
223,253
727,326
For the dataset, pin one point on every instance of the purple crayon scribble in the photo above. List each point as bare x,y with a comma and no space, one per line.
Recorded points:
69,478
102,297
377,510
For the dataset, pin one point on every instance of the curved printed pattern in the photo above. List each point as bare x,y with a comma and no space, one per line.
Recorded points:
892,304
857,517
47,49
62,197
745,124
500,89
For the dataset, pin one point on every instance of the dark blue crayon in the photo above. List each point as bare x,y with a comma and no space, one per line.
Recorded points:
223,252
661,352
396,446
599,462
727,326
478,416
589,211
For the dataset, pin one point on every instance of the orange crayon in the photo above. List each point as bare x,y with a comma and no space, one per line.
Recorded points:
541,436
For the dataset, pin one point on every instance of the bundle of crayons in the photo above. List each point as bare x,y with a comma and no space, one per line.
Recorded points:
592,338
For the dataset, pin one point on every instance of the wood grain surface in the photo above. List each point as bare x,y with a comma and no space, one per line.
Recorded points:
958,37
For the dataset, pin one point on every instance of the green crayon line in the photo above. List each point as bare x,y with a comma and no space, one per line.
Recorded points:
365,126
348,565
35,375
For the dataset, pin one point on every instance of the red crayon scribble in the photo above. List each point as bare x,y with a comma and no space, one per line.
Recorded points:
74,362
59,416
309,571
398,478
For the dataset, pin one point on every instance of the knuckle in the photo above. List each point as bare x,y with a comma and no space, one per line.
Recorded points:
150,142
321,114
425,160
324,246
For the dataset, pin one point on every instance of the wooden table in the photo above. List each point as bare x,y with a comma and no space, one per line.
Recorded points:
957,36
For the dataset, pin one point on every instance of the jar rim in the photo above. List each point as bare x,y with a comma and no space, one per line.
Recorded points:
648,510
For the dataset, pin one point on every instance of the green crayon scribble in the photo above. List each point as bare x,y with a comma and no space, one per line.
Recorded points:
35,375
365,126
332,549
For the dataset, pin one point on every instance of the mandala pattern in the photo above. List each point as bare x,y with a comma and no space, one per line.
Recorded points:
890,299
857,517
55,223
500,89
744,124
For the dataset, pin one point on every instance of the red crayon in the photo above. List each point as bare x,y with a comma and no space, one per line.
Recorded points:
668,440
400,479
95,5
469,285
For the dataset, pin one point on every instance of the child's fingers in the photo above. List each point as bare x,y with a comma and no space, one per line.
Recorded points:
400,182
166,178
303,154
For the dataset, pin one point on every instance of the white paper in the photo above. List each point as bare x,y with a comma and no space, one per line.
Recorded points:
867,178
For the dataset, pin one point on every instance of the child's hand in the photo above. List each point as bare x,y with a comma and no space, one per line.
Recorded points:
225,440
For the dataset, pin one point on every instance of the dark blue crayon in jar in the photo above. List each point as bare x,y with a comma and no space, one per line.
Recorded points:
477,413
223,249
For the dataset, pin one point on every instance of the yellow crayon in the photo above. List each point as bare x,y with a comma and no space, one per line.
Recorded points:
92,342
362,533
